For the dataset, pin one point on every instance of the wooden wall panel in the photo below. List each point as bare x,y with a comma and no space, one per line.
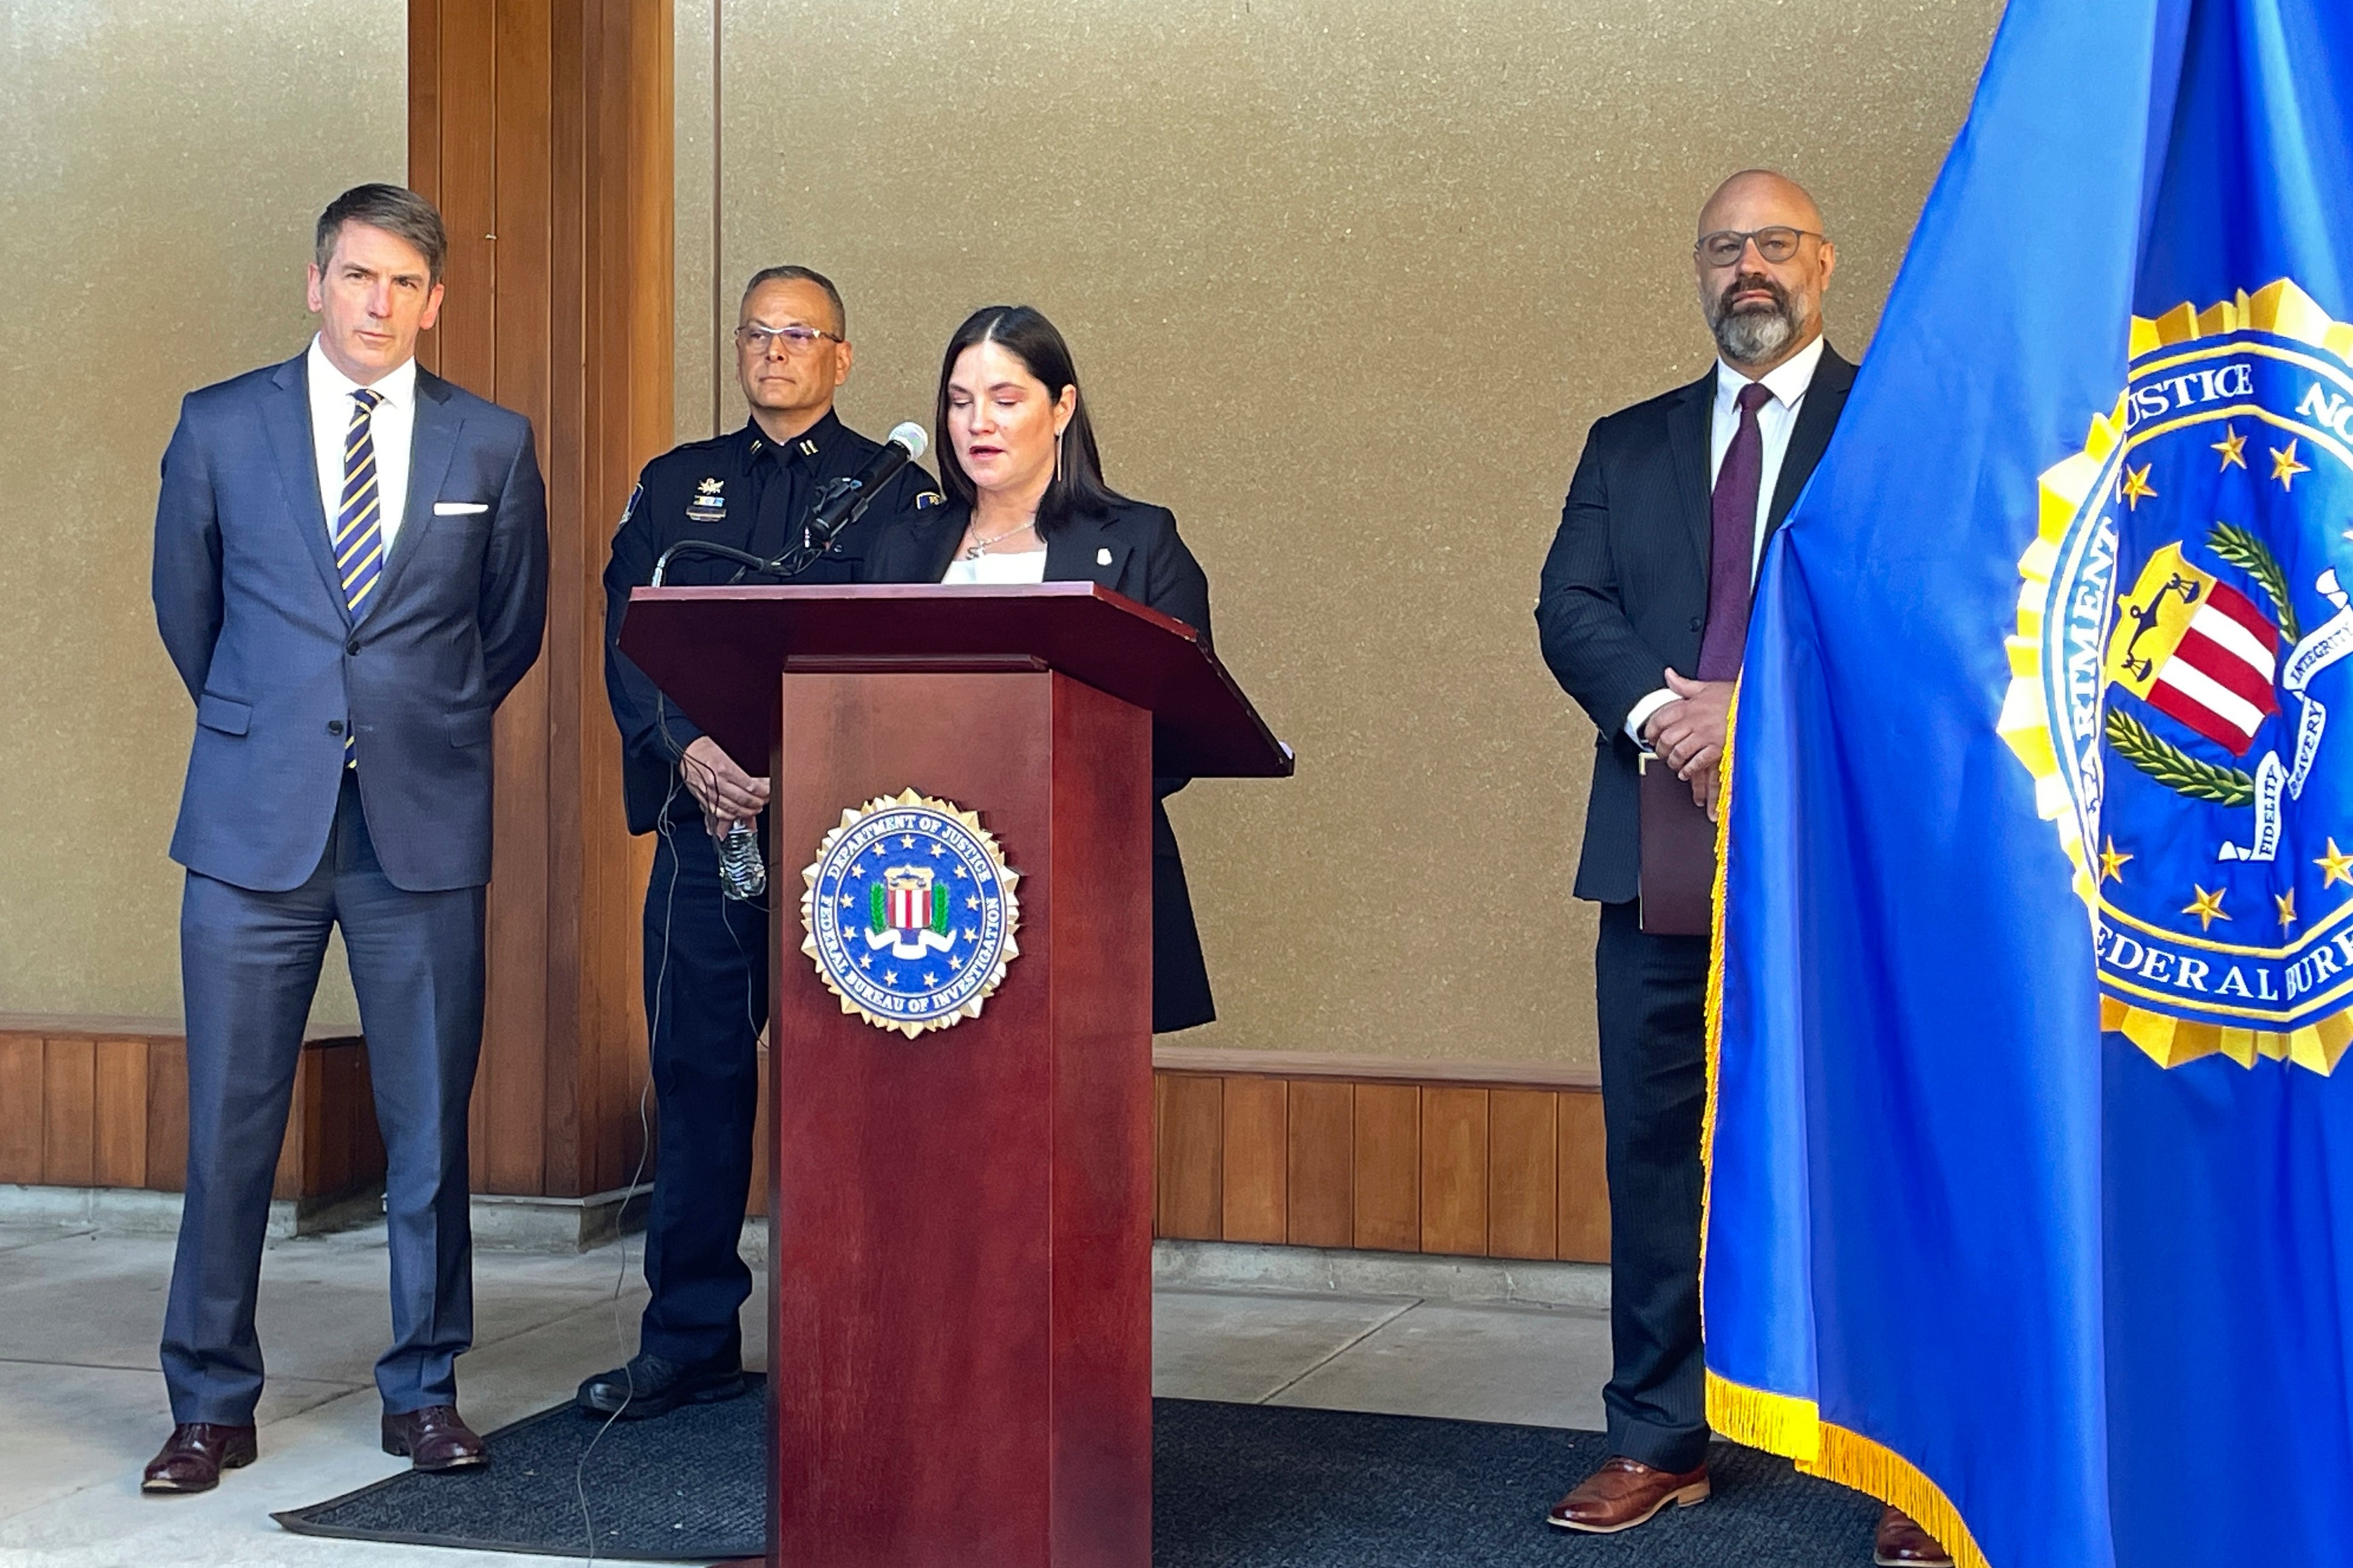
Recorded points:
120,1142
1389,1167
100,1107
167,1115
1584,1180
513,1091
543,132
69,1098
1320,1176
1373,1154
1188,1175
1522,1173
24,1106
1453,1170
1255,1156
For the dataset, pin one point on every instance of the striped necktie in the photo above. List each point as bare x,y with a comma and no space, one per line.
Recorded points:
359,541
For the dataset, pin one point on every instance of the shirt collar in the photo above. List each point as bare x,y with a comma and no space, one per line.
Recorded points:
396,386
806,448
1786,380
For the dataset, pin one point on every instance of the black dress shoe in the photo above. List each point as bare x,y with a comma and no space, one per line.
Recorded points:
649,1385
194,1454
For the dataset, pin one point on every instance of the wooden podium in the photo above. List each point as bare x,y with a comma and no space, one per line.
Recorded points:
960,1331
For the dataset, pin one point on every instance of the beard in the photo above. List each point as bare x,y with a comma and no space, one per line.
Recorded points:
1751,332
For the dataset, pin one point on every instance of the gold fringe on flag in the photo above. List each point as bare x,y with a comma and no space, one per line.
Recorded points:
1792,1427
1783,1424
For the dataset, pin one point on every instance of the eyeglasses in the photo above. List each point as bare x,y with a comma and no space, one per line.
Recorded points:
795,338
1725,246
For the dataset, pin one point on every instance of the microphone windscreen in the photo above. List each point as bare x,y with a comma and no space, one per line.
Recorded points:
911,436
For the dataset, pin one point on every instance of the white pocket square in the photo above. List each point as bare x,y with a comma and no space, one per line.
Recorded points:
459,508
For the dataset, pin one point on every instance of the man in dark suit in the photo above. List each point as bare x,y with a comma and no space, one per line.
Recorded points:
1642,615
350,575
706,956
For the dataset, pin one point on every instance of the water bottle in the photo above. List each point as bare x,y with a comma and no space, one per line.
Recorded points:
743,870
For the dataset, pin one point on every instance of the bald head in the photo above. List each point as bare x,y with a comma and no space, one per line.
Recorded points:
1755,198
1763,263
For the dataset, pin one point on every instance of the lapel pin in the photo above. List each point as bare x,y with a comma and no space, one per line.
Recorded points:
1103,556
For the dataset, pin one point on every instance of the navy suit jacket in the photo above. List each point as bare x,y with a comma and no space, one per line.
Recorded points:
252,613
1624,593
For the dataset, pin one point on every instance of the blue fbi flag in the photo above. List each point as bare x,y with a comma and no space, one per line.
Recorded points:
2030,1158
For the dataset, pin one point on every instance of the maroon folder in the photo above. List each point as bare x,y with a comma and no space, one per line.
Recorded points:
1678,856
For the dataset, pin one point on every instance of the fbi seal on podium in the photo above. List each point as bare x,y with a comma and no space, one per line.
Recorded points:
910,913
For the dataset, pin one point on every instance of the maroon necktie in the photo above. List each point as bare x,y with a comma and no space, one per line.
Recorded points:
1732,551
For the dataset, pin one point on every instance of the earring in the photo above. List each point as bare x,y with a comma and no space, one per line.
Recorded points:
1058,436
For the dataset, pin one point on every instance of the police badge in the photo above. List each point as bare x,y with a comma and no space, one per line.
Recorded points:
910,913
2178,648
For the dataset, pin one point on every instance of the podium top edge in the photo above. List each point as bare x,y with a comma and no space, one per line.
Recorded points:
868,592
1075,608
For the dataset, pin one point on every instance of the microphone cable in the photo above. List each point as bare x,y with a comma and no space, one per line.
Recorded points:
790,565
666,830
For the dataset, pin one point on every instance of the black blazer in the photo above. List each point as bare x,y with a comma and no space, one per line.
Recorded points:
1624,593
1132,550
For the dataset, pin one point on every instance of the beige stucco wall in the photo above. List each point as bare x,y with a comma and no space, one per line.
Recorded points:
1347,280
161,165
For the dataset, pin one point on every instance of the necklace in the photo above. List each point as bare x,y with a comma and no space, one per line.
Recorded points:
980,547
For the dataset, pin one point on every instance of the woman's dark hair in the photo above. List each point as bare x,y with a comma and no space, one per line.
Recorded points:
1078,486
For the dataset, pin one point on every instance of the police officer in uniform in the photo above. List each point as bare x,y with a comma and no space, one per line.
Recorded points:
706,969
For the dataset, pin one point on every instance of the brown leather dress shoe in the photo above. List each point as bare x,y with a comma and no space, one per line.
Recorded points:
194,1455
435,1438
1901,1543
1624,1493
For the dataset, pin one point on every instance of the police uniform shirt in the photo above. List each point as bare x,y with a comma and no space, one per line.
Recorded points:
749,493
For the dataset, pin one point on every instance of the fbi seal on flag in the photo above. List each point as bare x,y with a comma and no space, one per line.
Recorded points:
2179,685
910,913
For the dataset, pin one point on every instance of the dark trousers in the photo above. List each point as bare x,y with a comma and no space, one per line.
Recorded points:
706,1003
250,965
1652,997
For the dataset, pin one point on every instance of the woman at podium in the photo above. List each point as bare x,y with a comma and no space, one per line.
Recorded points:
1026,503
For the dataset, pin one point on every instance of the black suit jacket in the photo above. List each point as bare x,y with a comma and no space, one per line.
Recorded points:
1624,593
1132,550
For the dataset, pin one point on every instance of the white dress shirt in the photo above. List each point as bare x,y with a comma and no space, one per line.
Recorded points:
391,428
1010,567
1775,418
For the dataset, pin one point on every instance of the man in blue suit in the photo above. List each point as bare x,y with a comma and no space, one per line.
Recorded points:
351,574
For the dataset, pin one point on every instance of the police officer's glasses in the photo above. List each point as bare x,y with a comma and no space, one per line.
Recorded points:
1725,246
795,338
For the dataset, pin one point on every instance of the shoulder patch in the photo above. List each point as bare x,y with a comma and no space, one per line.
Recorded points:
629,507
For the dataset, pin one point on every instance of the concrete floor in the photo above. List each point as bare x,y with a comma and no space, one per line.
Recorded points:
82,1405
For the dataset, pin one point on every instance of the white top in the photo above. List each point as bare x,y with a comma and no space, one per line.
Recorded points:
390,428
1777,416
1008,566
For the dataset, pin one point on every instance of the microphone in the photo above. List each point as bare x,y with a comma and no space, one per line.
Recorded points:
842,500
